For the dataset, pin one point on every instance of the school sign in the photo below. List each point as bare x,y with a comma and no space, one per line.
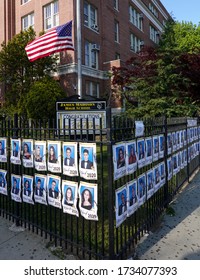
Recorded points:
81,116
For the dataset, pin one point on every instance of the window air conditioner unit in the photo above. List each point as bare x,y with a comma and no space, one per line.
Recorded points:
141,43
141,16
95,47
157,33
95,27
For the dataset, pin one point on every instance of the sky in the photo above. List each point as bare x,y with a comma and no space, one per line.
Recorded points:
183,10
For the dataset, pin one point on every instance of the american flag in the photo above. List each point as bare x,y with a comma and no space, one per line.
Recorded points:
56,40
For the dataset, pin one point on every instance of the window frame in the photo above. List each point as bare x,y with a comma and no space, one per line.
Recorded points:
116,31
135,43
51,17
116,4
135,18
91,56
23,2
91,85
30,21
90,14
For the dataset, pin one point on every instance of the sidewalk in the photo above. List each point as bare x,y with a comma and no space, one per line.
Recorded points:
176,237
17,243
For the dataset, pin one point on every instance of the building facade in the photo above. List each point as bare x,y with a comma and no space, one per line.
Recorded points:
112,31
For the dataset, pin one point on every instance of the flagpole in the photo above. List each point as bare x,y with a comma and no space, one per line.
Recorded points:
79,59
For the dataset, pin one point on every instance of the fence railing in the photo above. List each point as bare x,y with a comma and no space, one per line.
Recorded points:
101,232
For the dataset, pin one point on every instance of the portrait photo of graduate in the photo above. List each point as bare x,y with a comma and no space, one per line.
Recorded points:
161,145
182,159
132,204
27,152
174,141
3,150
40,155
54,156
70,158
181,139
121,205
70,197
119,162
175,163
15,151
149,148
142,189
179,157
157,178
184,137
88,161
88,200
162,174
141,152
54,190
169,168
3,182
178,140
131,157
16,188
150,183
155,147
40,183
121,158
27,192
169,143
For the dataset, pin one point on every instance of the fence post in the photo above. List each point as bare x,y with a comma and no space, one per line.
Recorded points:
187,148
166,188
15,136
110,183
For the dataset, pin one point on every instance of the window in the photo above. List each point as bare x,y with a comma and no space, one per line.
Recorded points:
28,21
92,89
90,16
153,10
91,55
136,18
117,56
116,4
24,1
154,35
51,15
116,30
136,43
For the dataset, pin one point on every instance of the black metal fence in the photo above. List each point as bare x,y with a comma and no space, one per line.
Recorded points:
103,239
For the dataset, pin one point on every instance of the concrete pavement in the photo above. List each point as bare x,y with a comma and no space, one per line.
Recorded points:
176,237
17,243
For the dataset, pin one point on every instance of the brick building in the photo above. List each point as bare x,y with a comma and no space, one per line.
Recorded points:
111,32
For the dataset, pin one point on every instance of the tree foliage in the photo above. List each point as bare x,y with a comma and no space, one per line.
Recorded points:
163,80
17,73
42,97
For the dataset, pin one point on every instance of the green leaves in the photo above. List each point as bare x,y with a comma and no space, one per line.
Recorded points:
41,99
18,74
164,80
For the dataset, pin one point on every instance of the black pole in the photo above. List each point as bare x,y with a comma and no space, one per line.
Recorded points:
110,184
15,136
166,187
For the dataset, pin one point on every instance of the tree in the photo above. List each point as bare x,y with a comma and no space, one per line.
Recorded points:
163,80
41,98
17,73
